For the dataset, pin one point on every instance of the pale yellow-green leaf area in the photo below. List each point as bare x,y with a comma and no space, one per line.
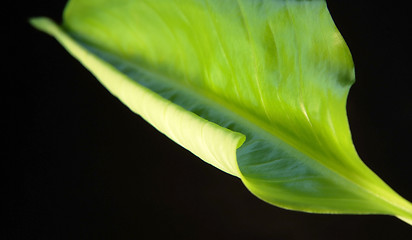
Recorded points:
214,144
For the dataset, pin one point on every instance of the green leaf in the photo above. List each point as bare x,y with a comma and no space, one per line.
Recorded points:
256,88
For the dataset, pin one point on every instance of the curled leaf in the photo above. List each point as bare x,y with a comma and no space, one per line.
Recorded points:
256,88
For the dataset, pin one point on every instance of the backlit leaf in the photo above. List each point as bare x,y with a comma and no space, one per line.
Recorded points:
257,88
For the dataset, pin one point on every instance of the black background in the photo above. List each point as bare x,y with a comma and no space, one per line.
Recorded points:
79,165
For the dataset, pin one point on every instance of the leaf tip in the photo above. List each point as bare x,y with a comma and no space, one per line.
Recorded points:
44,24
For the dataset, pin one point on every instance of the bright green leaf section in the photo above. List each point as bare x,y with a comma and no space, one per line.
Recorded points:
209,73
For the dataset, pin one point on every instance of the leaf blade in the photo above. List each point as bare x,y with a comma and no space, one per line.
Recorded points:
324,157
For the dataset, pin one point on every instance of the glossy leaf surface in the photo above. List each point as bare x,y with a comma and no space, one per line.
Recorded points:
255,88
